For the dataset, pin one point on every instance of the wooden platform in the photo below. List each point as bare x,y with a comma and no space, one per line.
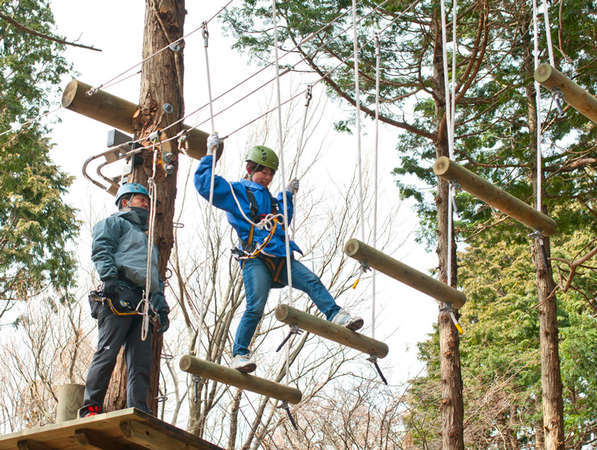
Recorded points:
125,429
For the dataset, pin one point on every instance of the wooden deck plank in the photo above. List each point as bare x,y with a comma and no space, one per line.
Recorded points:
106,431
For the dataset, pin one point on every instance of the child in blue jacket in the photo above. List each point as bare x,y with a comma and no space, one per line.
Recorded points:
262,250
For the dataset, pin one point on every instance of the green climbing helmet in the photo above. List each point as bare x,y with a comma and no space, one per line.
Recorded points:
264,156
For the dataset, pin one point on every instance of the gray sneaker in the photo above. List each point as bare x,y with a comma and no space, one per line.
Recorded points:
243,363
344,319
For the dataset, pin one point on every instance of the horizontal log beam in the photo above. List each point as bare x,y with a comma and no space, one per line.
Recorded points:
118,113
483,190
574,95
331,331
245,381
401,272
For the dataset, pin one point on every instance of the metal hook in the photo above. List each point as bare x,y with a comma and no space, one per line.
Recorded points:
205,33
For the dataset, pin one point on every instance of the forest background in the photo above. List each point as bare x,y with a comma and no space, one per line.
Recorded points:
49,338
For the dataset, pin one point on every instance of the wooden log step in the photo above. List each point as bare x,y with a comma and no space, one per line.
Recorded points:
331,331
575,96
401,272
494,196
240,380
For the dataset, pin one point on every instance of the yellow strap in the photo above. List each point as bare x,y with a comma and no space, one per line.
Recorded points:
118,313
256,252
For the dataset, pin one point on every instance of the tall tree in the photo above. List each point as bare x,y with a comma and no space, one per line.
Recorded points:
160,104
36,225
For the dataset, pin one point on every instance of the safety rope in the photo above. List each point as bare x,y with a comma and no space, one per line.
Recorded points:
283,172
375,176
450,105
213,145
150,241
30,121
539,162
299,151
357,99
287,70
174,46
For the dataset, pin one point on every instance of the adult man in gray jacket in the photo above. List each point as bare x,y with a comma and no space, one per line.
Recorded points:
119,252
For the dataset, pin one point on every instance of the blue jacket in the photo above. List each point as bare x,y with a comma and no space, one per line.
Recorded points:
119,249
222,198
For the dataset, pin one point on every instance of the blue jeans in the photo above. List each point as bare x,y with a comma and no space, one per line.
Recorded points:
258,281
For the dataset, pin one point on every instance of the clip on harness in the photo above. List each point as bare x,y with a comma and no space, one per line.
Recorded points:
249,250
121,308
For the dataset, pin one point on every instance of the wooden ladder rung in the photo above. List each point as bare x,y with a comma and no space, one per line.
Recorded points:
245,381
401,272
331,331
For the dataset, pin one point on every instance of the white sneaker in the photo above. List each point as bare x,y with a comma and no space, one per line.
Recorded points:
243,363
344,319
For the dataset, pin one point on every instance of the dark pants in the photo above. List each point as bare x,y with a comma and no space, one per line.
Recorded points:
114,332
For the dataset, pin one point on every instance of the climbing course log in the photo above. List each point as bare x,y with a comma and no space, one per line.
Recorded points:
233,377
483,190
401,272
575,96
118,113
331,331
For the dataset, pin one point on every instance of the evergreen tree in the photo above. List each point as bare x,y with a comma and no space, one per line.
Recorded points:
35,223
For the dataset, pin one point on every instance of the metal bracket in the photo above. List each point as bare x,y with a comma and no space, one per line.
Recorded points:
285,407
293,330
558,98
373,359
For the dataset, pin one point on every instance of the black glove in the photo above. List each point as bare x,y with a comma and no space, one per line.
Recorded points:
112,288
164,321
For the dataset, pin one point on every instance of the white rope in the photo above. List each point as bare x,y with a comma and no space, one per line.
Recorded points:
375,176
171,45
538,106
299,150
150,240
548,32
450,129
287,70
206,271
30,121
283,171
357,99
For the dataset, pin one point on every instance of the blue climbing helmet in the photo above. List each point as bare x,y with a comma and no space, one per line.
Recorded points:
130,189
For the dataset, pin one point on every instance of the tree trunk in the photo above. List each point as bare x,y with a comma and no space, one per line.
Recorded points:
452,410
161,85
551,380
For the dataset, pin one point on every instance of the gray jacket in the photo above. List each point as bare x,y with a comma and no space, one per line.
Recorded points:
119,249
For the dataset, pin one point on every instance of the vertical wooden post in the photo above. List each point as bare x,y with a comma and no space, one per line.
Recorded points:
70,399
160,104
452,406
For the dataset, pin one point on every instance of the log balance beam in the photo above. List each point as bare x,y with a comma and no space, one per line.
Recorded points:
118,113
575,96
331,331
233,377
483,190
401,272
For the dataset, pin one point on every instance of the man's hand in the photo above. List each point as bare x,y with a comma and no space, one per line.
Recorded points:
164,321
293,186
111,288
